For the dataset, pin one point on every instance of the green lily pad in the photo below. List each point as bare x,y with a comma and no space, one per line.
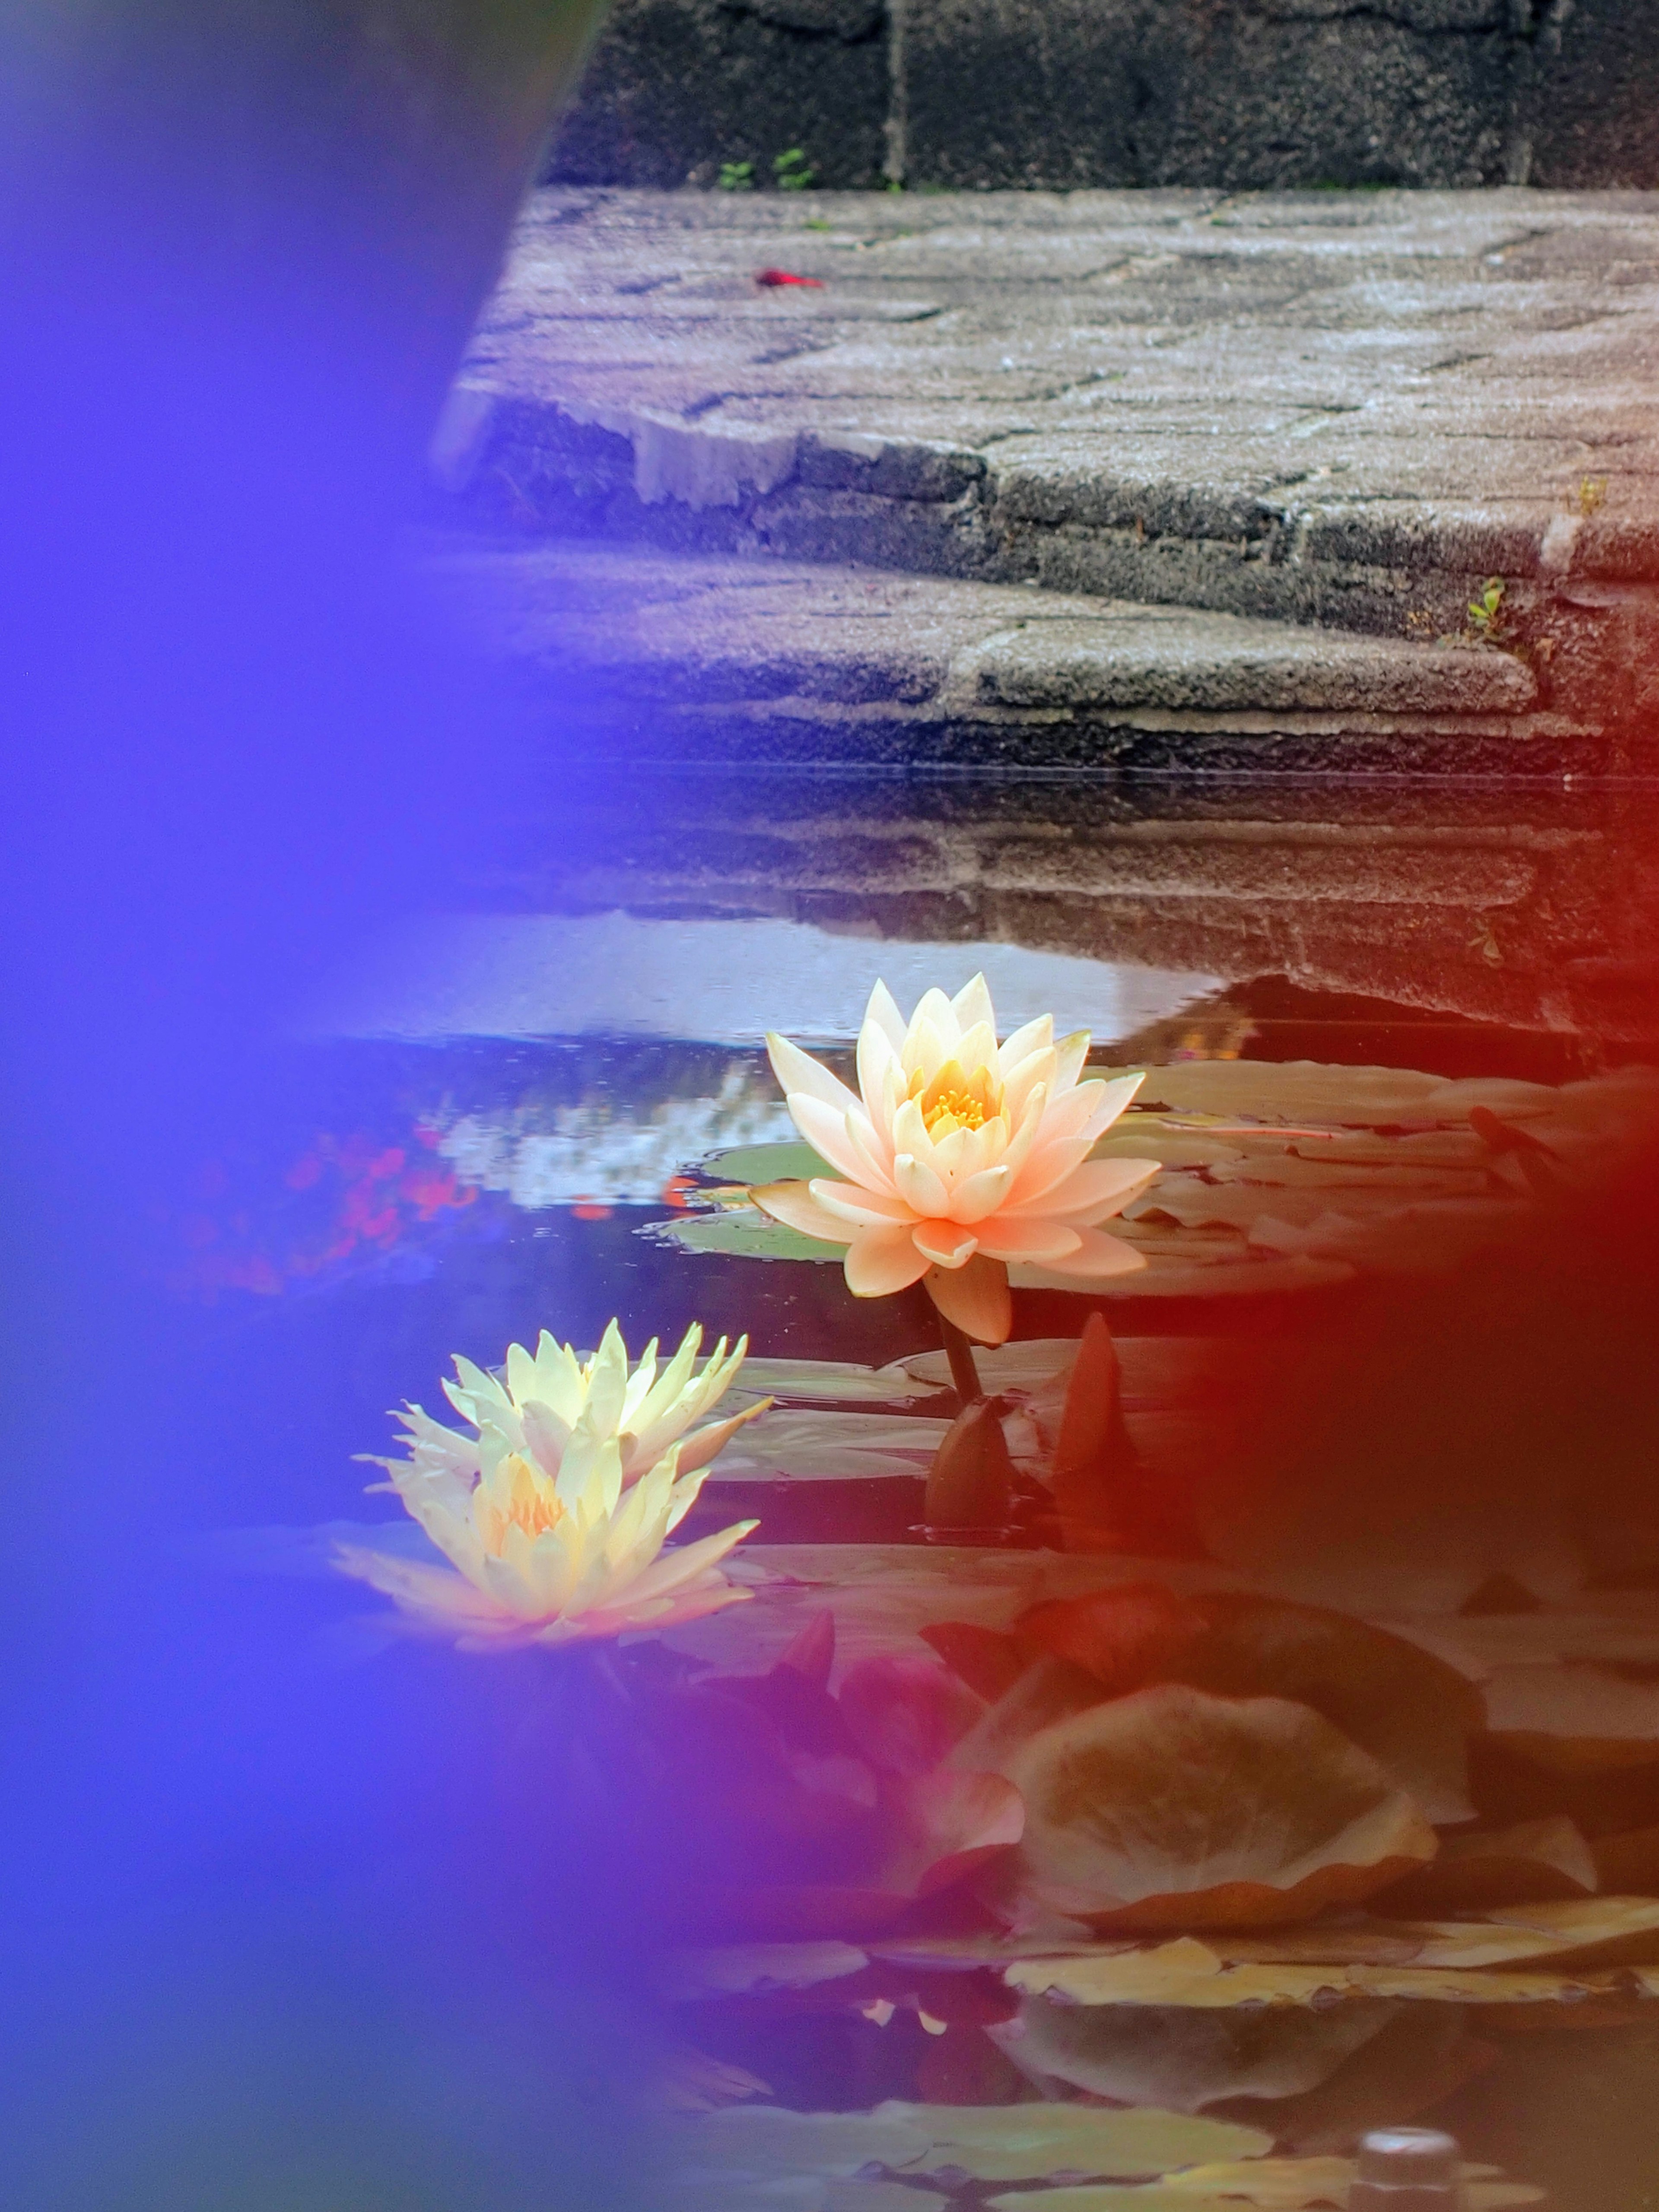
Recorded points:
766,2141
1113,2197
881,2197
828,1380
744,1234
1028,2142
766,1163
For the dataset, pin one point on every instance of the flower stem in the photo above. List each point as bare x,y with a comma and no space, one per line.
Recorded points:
964,1370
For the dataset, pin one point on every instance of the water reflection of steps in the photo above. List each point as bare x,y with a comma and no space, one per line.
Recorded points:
701,658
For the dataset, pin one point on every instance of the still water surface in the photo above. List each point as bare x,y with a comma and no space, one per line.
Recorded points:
1309,1780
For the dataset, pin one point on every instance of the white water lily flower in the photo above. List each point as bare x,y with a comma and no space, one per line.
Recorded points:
958,1156
556,1512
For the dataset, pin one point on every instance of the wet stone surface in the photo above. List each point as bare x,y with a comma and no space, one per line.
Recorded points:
704,659
1354,411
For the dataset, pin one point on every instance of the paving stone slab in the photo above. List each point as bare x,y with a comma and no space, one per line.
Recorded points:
1339,409
694,658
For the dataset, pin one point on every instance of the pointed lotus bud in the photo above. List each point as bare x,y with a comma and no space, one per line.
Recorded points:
970,1484
1093,1454
812,1652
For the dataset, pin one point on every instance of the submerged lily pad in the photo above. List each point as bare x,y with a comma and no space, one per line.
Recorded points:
1321,1093
1191,1974
747,1969
833,1380
1413,1712
698,2192
829,1447
858,2196
1575,1717
990,2142
763,2141
1172,1808
1534,1860
1185,2193
1293,2184
1184,2058
1017,2142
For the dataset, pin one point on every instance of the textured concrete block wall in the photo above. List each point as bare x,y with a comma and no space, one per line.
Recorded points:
1058,94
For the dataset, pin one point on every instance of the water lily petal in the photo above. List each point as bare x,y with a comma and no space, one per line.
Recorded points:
910,1137
545,1436
972,1006
985,1147
793,1204
934,1014
640,1383
882,1013
978,1047
607,1383
873,1148
951,1152
852,1203
920,1187
1035,1036
559,1378
1037,1071
928,1048
826,1129
981,1191
674,1569
947,1244
1097,1256
1006,1237
882,1261
445,1600
657,1409
976,1297
1115,1099
1047,1165
1070,1053
1093,1190
878,1049
473,1390
700,1446
798,1070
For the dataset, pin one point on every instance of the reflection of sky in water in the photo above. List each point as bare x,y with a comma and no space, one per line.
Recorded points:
716,983
619,975
602,1153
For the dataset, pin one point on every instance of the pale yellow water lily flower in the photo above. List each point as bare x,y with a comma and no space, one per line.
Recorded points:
958,1156
555,1512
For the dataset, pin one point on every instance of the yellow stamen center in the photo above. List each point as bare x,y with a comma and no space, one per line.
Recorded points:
532,1503
957,1099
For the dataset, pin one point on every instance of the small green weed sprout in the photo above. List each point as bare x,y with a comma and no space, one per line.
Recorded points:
1591,493
737,177
793,171
1485,619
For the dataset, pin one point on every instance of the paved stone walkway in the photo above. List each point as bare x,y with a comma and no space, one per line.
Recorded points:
1347,410
696,658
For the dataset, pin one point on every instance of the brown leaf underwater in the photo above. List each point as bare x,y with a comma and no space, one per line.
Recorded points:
1170,1808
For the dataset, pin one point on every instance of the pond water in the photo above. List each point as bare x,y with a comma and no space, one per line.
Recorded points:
1236,1730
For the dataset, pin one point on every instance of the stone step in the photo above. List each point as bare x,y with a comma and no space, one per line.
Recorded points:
697,658
1351,412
